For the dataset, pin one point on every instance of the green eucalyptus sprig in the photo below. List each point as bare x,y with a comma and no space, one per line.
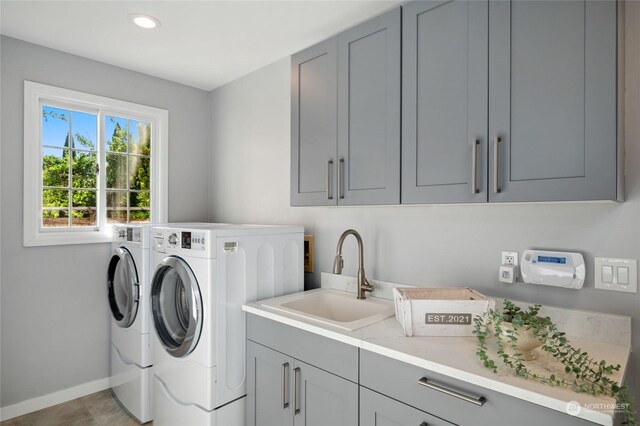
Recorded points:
584,374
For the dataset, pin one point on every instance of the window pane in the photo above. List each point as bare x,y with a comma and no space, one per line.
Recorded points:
83,217
55,126
117,199
117,171
51,218
139,173
139,216
55,167
117,207
55,198
116,134
84,128
84,169
140,137
140,199
84,198
116,216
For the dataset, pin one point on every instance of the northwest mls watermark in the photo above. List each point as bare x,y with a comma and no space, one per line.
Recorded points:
574,407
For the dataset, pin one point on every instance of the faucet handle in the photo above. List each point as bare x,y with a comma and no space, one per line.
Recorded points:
368,286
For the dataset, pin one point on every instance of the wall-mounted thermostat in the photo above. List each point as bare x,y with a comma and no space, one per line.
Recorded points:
554,268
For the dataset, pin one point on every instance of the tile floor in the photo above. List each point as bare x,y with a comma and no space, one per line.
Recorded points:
92,410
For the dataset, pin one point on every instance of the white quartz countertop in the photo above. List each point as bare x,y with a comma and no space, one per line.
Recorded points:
455,357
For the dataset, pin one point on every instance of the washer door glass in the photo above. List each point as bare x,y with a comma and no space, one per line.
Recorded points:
176,304
123,287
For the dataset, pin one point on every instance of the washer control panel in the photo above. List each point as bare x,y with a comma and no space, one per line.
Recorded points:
179,240
134,234
193,240
131,234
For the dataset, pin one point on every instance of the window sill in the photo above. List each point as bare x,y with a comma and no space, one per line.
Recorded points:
67,238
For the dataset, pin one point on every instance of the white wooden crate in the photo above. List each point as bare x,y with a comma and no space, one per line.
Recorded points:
439,311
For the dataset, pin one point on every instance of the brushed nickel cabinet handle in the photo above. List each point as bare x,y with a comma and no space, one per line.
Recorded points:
340,176
474,166
296,382
329,170
496,165
285,379
476,401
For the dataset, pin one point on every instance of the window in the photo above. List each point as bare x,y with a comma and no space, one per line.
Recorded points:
90,162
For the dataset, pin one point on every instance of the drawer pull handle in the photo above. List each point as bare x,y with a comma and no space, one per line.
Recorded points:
285,379
424,424
477,401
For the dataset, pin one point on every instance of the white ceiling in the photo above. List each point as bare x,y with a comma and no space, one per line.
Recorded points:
203,44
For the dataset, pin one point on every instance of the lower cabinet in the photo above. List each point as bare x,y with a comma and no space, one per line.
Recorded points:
297,378
458,402
282,390
379,410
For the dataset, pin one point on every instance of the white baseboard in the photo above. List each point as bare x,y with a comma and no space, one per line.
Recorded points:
45,401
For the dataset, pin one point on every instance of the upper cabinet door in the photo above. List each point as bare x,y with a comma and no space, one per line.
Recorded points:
552,121
313,125
445,97
368,165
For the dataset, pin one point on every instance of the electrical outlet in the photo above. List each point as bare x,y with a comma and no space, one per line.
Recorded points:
510,258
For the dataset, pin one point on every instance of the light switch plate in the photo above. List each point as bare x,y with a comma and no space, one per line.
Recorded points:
622,270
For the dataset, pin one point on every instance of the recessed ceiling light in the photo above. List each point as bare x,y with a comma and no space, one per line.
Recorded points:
144,21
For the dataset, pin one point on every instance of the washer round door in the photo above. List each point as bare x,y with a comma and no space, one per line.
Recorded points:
176,306
123,287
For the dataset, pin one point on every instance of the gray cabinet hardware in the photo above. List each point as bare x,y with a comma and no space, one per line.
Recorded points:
496,165
285,380
329,170
296,389
474,166
340,176
477,401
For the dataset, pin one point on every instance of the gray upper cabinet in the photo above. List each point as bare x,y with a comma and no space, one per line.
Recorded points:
313,125
445,101
345,117
552,68
369,112
502,101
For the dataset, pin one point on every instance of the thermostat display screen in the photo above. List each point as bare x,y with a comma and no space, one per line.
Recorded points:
552,259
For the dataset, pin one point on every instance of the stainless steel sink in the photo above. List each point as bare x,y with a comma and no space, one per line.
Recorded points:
336,308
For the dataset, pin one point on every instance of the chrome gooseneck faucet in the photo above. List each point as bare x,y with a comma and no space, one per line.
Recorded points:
338,263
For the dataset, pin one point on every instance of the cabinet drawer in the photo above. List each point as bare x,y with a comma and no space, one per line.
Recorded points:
379,410
327,354
400,381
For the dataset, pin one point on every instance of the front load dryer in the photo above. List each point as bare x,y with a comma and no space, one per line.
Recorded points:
203,275
128,282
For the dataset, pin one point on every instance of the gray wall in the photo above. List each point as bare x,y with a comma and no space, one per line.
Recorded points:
54,318
439,245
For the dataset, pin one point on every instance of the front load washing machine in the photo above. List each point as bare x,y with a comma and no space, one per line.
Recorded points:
128,294
203,275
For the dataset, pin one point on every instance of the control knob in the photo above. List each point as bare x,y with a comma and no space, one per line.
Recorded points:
173,239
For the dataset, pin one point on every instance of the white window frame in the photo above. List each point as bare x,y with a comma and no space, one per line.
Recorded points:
35,96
